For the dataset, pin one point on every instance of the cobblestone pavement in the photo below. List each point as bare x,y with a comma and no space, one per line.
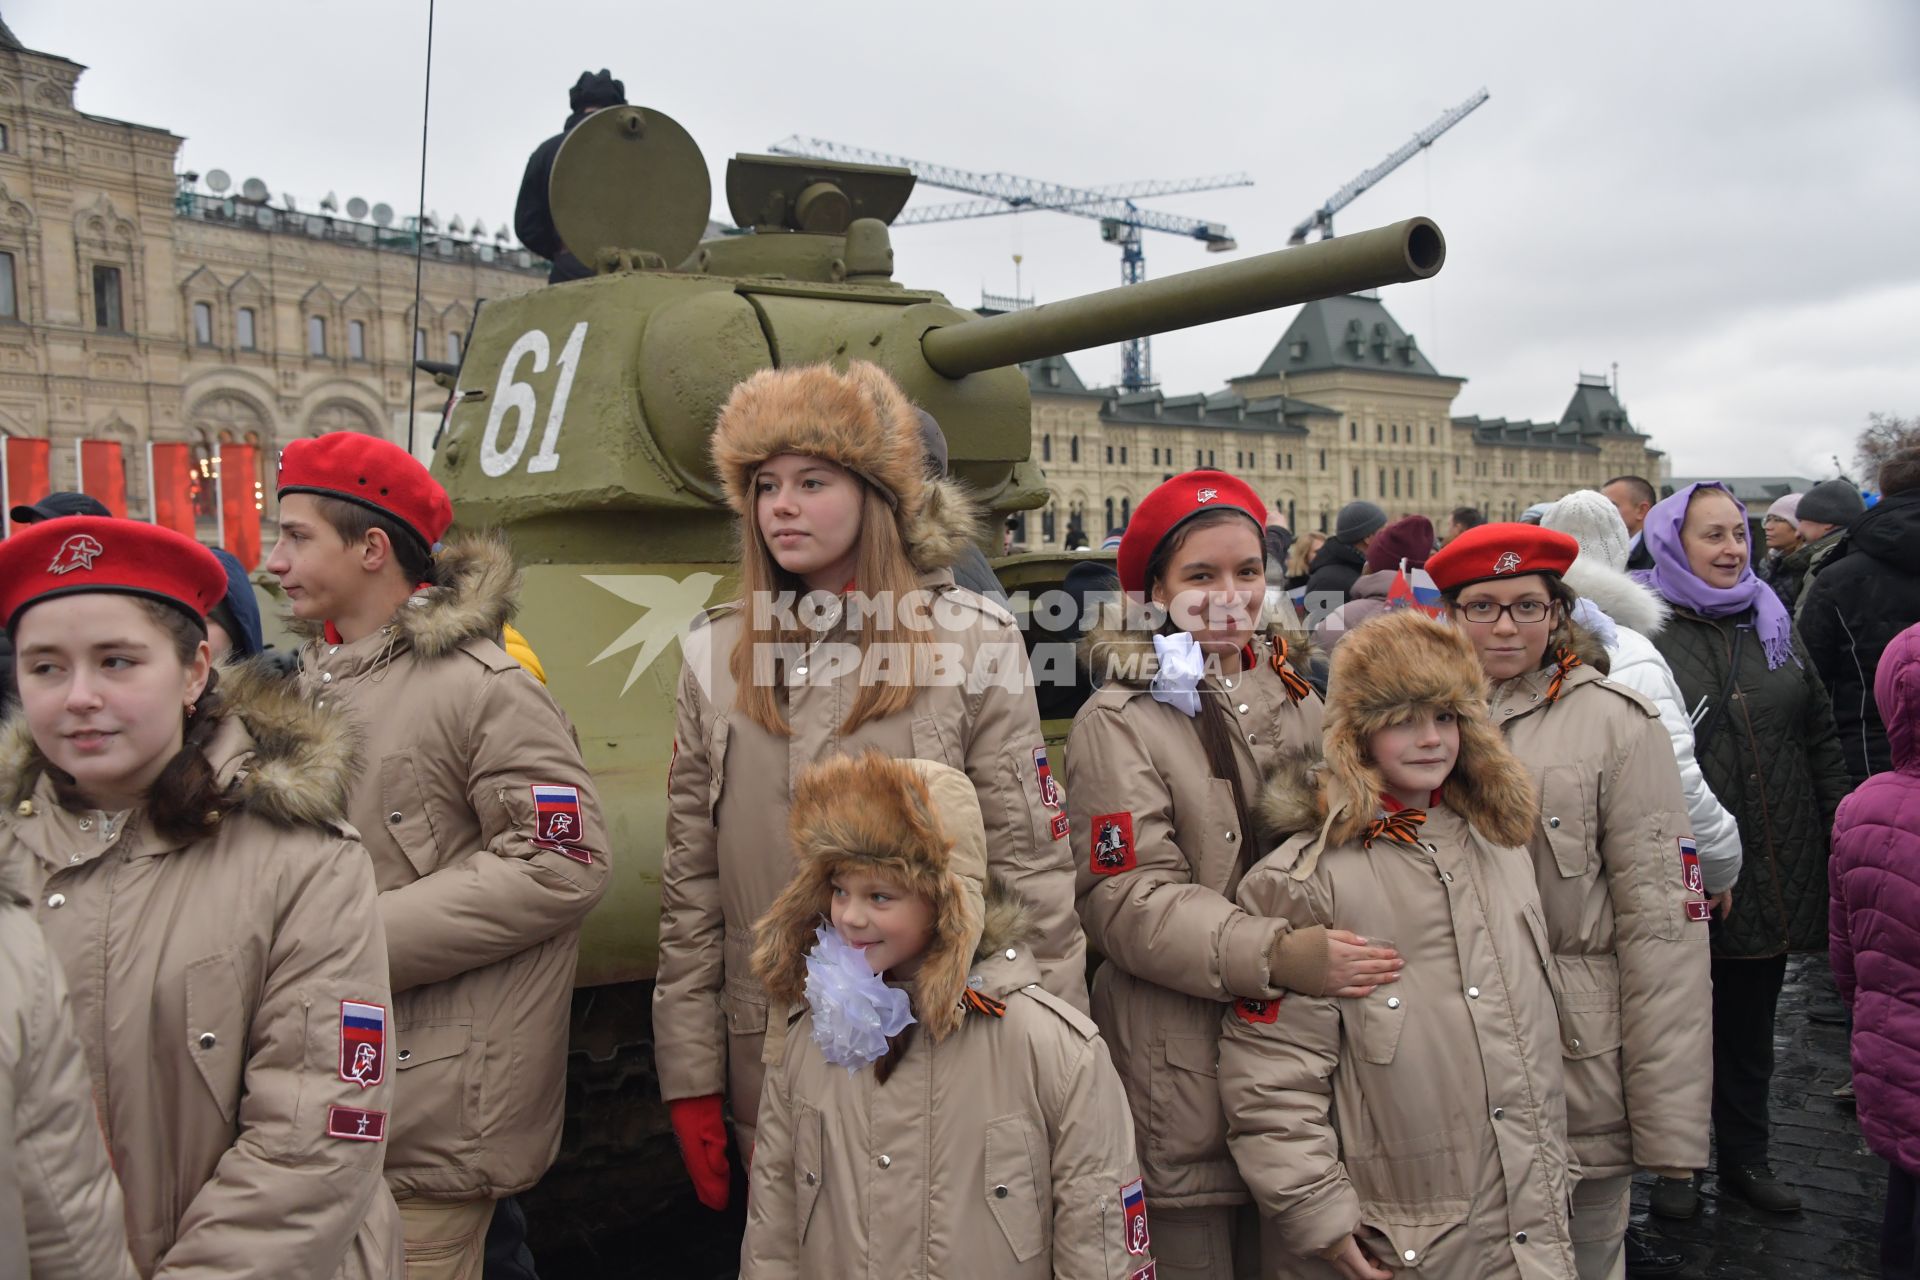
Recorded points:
1816,1149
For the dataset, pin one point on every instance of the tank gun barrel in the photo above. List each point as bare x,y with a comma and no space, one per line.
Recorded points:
1409,250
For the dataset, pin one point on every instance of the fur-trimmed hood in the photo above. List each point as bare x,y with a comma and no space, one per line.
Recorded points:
280,757
914,822
861,420
1392,667
1618,596
477,595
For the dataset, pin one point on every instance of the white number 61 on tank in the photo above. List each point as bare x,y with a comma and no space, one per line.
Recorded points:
518,397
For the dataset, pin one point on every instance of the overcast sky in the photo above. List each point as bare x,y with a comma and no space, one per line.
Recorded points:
1719,197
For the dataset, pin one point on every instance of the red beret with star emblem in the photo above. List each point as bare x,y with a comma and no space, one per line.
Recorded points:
374,473
1501,551
1172,504
77,554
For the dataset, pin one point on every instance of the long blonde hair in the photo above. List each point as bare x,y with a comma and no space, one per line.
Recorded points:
883,571
1303,551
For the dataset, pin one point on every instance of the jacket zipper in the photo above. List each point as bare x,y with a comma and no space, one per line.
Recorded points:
1760,790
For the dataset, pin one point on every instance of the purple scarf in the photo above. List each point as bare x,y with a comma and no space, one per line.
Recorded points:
1673,577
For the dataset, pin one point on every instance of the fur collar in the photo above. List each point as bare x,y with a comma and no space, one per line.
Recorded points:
1397,663
1618,596
286,760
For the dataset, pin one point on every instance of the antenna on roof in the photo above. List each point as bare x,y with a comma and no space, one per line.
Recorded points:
218,181
356,208
255,190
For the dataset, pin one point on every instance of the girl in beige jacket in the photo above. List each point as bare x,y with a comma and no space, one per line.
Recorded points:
182,835
1162,766
1620,881
1425,1129
850,635
937,1114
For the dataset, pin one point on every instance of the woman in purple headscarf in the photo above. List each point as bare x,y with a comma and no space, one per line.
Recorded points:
1764,736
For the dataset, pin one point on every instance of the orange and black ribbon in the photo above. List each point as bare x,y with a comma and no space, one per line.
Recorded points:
1402,825
1568,661
1289,678
974,1002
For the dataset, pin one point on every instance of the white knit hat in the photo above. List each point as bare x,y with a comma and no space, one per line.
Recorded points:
1591,519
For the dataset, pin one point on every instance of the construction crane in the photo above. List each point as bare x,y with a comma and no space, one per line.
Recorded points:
1121,220
1322,217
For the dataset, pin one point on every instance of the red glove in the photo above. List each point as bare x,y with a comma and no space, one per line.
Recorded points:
702,1130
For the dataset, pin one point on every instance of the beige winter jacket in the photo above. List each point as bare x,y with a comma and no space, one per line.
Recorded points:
1041,1199
489,848
211,982
1158,855
1629,937
728,856
61,1216
1429,1115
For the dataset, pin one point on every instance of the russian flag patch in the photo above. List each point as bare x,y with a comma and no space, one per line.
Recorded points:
363,1043
556,819
1133,1204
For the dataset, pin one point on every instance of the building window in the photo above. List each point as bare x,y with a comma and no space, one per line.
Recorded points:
1109,455
1046,525
1156,456
1126,512
1430,435
1209,457
1395,429
453,348
1110,523
1383,482
203,324
1353,431
1199,458
316,335
1378,433
356,340
1323,459
243,328
1356,483
6,143
1396,482
1046,450
1020,529
106,298
419,344
1456,466
1433,478
1123,455
1073,449
9,301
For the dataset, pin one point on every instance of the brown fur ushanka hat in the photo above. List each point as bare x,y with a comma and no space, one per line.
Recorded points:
1394,666
859,419
914,822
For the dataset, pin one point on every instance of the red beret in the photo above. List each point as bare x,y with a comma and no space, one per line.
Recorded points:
77,554
1501,551
375,473
1171,505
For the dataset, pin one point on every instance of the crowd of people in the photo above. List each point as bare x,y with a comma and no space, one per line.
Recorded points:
1399,898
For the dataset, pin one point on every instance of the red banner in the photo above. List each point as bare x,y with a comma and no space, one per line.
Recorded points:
239,503
170,486
26,472
103,473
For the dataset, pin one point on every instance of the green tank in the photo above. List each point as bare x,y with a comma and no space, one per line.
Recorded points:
580,423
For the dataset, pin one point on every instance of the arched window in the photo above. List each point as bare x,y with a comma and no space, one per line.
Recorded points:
1046,448
1073,449
1126,512
1110,523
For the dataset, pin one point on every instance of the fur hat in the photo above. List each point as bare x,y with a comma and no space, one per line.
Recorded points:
914,822
1591,519
859,419
1384,672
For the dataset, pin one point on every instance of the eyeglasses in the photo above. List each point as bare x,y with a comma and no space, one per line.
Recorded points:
1524,612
